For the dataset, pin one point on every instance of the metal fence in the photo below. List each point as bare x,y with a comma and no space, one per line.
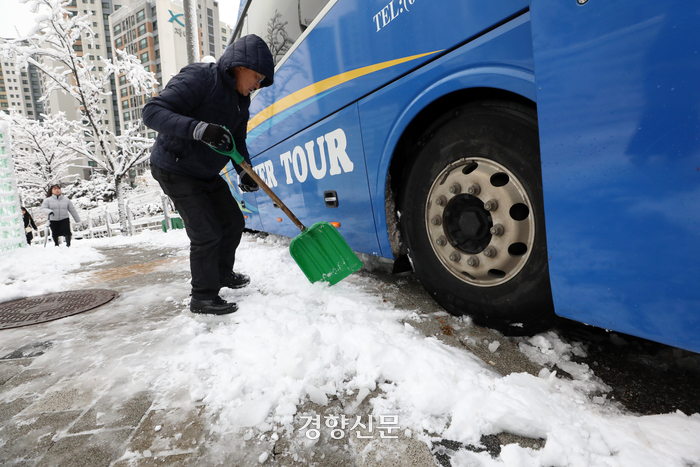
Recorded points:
144,211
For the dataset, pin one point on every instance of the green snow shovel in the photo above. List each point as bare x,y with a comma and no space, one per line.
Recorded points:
320,251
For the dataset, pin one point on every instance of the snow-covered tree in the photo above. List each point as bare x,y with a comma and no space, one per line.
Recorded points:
50,46
42,152
88,194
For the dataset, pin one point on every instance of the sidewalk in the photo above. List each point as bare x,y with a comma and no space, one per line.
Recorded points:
77,417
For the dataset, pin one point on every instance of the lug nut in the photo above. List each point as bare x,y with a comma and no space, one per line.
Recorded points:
455,256
437,220
442,241
473,261
474,189
497,230
491,205
441,200
490,252
455,189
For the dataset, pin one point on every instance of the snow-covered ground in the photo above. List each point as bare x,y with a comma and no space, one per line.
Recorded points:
292,341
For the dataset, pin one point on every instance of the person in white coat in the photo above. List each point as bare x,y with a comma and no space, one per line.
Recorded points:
57,207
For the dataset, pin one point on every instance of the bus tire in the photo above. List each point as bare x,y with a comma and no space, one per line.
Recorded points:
472,217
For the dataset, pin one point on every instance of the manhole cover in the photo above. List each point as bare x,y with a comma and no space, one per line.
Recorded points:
34,310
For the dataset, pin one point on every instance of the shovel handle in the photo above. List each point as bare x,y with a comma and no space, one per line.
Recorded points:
249,170
238,159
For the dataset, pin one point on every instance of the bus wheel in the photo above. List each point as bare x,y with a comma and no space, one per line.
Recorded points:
473,217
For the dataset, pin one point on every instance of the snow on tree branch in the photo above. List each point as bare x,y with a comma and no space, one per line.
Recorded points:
54,46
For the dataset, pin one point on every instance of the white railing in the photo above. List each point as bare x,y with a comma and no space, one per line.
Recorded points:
143,211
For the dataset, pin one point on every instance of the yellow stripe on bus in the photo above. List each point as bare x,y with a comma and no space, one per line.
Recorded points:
324,85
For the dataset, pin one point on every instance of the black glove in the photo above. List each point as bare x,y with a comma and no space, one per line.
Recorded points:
248,184
217,136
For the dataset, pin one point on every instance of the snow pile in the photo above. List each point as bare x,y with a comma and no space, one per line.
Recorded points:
292,341
38,270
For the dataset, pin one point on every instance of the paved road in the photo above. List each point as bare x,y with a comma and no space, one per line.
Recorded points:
67,422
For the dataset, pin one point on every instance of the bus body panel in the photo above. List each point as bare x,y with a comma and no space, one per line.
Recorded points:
325,157
385,114
246,201
361,56
619,121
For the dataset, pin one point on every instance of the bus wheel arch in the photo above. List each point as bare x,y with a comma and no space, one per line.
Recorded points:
479,161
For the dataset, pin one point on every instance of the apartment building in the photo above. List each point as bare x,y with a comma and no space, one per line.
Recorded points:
20,91
154,31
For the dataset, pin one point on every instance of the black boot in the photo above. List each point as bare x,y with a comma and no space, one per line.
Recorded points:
217,306
234,281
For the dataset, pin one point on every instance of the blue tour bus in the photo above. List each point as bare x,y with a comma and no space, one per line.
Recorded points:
524,157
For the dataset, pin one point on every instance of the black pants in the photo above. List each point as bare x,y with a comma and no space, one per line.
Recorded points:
61,228
213,222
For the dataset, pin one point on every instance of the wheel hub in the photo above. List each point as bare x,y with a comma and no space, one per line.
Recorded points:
467,224
479,221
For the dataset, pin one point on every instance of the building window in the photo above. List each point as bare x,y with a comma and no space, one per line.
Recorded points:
105,5
141,30
125,104
157,54
118,42
144,57
126,116
140,16
118,29
143,43
124,92
78,48
122,80
155,25
223,30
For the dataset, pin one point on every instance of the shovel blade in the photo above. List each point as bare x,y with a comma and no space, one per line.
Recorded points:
323,254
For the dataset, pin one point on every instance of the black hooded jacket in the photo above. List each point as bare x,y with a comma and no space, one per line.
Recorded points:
205,92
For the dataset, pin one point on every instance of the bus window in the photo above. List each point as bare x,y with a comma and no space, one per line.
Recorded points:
279,22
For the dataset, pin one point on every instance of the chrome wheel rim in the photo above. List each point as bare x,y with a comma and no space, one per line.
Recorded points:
480,222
